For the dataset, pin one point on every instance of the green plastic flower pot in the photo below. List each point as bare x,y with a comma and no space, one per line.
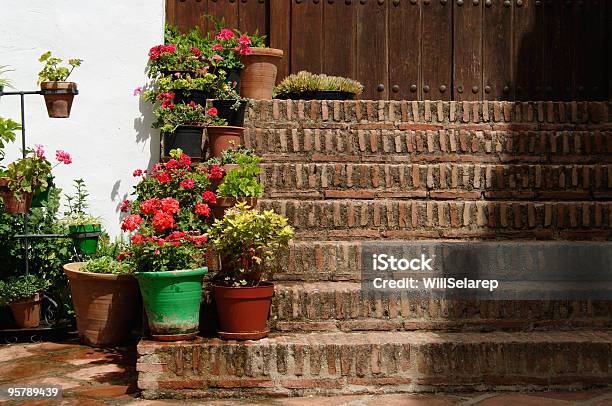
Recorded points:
39,198
172,302
86,237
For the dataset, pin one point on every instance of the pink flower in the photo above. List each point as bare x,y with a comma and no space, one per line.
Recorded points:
124,206
212,111
138,91
244,40
40,151
217,58
63,157
225,33
217,47
187,184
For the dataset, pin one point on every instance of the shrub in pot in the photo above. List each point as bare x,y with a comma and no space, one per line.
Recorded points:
309,86
24,295
58,93
168,221
106,299
240,184
83,228
230,106
248,242
27,177
182,125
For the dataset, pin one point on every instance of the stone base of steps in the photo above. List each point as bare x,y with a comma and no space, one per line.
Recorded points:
343,306
374,362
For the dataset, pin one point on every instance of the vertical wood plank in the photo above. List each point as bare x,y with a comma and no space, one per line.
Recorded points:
279,36
590,49
252,16
528,51
372,51
557,65
436,50
404,50
338,51
170,12
497,51
468,33
306,36
189,14
223,9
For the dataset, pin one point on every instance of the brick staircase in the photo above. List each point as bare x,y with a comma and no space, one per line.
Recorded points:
349,172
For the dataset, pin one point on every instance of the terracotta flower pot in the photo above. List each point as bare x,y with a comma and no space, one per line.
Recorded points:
259,74
58,97
220,138
243,312
12,204
224,203
107,306
26,312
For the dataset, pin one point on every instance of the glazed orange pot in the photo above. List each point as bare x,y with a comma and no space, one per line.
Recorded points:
259,74
222,138
26,312
58,98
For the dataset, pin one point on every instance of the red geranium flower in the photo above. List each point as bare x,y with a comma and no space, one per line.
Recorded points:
124,206
210,197
131,222
225,33
244,40
163,221
212,111
215,173
187,184
172,164
137,239
137,172
170,205
163,177
195,51
149,206
185,160
202,209
217,47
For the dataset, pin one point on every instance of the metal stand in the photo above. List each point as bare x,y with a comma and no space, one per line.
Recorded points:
51,308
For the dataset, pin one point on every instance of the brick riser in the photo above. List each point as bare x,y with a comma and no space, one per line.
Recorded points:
332,363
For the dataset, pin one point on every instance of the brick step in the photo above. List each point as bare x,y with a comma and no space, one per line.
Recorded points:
437,181
343,306
415,144
374,362
395,218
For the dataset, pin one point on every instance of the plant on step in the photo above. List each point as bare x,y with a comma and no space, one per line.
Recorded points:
309,82
230,156
52,71
243,181
77,205
22,287
248,242
30,175
206,82
173,196
170,116
4,82
7,134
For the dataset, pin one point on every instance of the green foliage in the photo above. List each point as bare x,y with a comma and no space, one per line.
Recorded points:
244,181
105,264
22,287
230,156
3,81
7,133
77,214
154,254
248,242
307,82
174,115
206,82
29,174
52,72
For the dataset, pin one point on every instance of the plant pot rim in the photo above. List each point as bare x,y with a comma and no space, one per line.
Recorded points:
86,224
171,274
260,51
225,127
231,200
191,127
36,297
59,88
72,270
262,285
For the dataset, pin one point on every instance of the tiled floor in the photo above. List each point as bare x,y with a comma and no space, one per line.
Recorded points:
107,377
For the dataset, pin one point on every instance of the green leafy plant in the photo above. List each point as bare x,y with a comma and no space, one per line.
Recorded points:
77,206
7,133
170,116
248,242
243,181
179,81
3,81
16,288
106,264
230,156
309,82
52,72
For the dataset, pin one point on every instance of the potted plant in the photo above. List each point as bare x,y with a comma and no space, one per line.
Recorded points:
106,298
83,228
240,184
3,81
186,88
24,295
27,177
57,92
230,106
180,53
168,221
182,125
248,242
309,86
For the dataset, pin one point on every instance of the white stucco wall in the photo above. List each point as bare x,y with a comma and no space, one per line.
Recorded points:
108,133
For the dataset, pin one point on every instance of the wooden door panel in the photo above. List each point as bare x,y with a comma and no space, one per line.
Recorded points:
280,34
223,9
186,15
252,16
339,38
404,50
306,36
436,50
372,58
497,50
467,73
528,51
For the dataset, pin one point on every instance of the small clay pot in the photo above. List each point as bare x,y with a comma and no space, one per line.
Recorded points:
224,203
259,74
222,138
58,97
26,312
